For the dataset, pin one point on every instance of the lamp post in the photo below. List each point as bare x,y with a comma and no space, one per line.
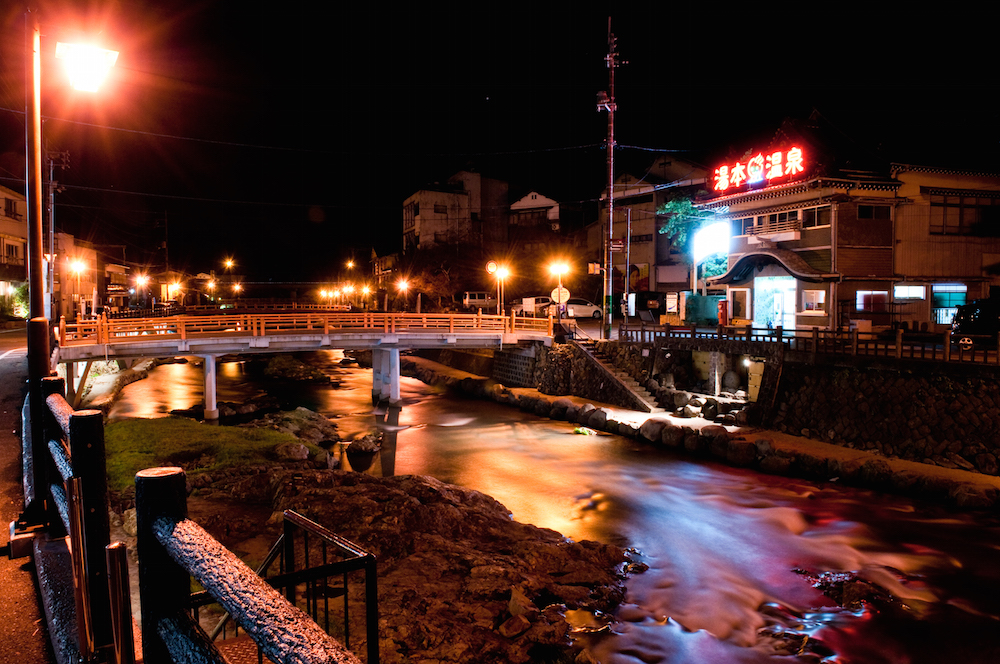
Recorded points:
403,286
559,269
502,273
38,326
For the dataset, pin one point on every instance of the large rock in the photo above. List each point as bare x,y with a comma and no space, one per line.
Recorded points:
652,429
598,418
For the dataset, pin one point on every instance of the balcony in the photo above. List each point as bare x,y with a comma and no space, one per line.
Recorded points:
774,231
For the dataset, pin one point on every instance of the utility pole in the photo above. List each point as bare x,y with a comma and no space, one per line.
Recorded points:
60,159
606,102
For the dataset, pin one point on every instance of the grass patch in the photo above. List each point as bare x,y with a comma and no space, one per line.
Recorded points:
135,444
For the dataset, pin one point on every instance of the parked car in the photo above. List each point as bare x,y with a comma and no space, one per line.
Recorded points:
577,307
977,324
475,300
541,302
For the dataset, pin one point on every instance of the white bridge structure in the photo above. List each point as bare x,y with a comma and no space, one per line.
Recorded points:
211,336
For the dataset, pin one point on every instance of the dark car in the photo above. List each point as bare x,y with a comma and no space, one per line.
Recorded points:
977,324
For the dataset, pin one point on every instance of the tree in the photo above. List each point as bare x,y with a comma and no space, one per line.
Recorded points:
681,221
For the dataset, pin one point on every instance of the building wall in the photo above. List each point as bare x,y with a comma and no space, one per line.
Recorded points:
13,234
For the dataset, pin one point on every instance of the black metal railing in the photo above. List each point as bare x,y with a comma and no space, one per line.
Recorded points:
898,343
308,583
173,549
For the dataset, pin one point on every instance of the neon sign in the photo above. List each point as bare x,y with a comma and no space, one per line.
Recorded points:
760,169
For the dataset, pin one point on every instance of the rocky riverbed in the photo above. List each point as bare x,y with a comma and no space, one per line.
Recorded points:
459,580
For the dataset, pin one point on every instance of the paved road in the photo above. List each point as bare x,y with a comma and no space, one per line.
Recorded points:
23,636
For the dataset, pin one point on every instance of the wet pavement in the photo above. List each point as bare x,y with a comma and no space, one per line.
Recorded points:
23,635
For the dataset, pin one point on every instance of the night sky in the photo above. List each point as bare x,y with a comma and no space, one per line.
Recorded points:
288,136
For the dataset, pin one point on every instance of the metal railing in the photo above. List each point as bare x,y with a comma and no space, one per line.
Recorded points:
173,549
304,572
897,344
108,331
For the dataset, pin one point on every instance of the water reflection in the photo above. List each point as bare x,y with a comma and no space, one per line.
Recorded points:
722,544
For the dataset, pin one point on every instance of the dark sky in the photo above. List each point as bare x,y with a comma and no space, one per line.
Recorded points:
288,136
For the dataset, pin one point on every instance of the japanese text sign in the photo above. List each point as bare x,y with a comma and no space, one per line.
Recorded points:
759,170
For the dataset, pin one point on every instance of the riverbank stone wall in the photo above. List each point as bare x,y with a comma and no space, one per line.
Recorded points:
940,417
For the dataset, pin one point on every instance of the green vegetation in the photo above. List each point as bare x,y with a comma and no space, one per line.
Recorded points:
135,444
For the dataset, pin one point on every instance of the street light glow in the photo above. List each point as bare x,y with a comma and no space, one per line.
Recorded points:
86,65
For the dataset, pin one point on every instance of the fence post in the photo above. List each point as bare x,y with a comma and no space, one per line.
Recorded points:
38,368
947,346
854,341
86,441
899,343
164,586
121,608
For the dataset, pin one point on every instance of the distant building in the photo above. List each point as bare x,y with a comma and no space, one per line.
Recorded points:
13,245
77,275
644,259
468,209
534,224
13,237
823,234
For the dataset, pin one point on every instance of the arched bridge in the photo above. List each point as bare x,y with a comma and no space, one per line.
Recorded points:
210,336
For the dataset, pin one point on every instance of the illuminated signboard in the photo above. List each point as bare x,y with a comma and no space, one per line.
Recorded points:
761,169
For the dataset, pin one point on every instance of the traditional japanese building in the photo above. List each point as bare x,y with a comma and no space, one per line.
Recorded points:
826,234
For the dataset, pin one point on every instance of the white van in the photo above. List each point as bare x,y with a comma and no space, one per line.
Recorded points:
475,300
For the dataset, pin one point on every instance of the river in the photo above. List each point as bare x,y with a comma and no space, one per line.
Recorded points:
722,544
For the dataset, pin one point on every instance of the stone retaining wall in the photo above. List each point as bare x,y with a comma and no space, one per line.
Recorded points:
933,413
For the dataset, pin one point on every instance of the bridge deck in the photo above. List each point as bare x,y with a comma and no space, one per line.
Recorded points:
287,332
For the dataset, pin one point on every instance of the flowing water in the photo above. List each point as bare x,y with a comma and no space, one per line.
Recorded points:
722,544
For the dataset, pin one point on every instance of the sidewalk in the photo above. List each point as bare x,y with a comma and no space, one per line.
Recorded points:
23,634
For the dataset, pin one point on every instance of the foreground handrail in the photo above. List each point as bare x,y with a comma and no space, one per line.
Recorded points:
172,547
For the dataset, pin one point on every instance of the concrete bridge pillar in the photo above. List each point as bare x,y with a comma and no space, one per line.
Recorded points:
377,354
211,387
385,375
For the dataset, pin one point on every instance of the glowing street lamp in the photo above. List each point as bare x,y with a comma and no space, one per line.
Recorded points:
501,272
403,286
86,65
37,338
559,269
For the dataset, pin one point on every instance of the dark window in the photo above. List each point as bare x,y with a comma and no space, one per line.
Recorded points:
879,212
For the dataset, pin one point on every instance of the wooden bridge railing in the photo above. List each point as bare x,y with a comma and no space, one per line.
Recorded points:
103,330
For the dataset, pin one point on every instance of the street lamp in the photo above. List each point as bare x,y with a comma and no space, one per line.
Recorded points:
403,286
38,332
559,269
77,266
502,273
141,281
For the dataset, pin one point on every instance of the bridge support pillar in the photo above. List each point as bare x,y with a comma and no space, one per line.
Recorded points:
211,387
385,375
377,357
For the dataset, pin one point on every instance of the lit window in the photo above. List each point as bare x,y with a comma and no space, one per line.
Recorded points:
945,301
814,301
904,292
